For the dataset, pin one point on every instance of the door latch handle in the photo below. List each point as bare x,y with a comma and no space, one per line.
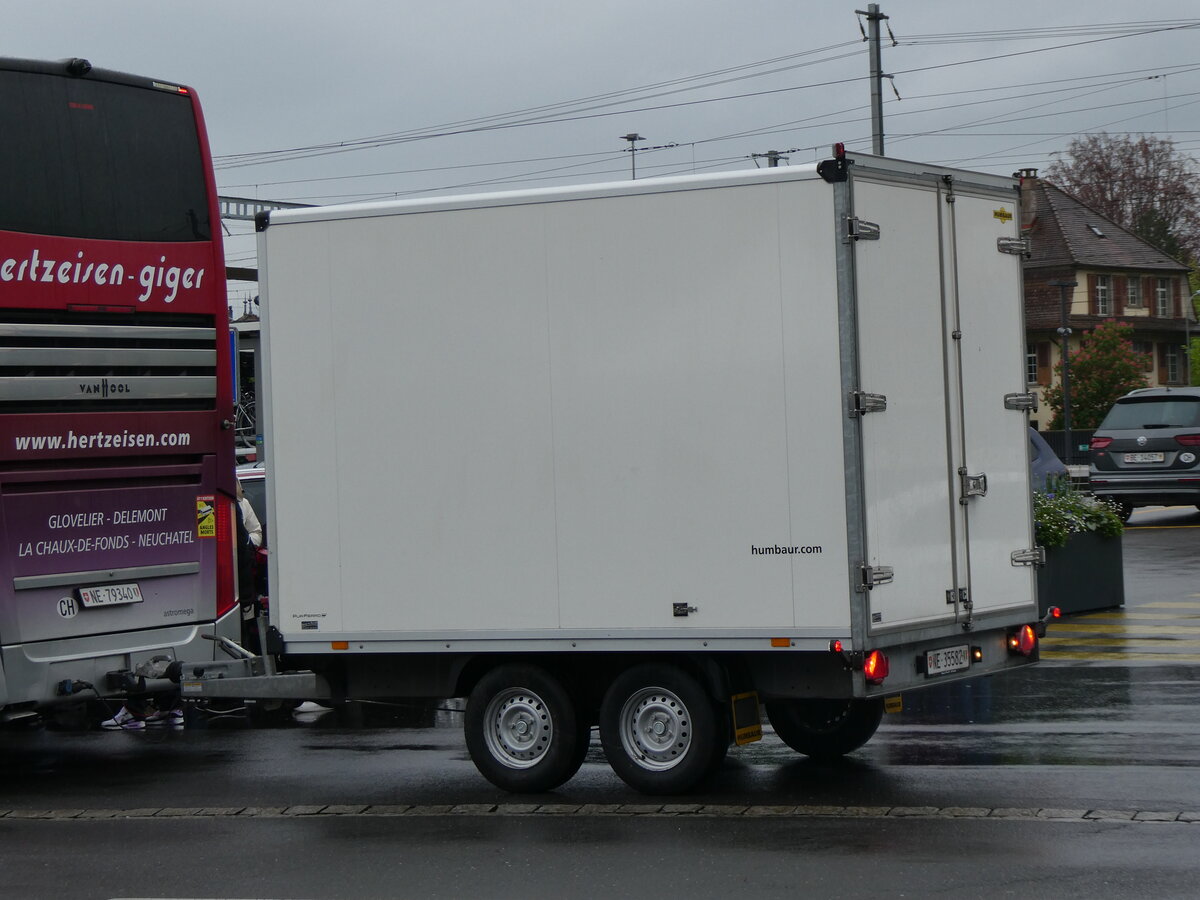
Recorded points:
972,485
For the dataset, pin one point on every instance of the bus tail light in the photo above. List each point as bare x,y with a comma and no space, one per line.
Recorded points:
226,556
875,667
1023,641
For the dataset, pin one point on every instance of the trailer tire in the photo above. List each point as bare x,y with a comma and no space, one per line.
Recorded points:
660,730
523,730
825,729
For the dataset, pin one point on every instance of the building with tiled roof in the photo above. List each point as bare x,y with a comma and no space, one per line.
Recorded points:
1117,275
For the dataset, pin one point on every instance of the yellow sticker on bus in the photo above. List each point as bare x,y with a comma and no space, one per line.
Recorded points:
206,516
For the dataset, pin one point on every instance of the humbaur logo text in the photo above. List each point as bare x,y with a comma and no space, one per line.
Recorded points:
158,281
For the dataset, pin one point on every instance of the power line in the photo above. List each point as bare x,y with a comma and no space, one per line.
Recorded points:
493,122
267,157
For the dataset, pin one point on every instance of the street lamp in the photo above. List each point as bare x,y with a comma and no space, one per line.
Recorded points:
1064,331
631,137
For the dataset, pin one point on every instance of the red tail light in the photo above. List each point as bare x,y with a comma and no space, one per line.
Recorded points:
226,555
1023,641
1188,440
1099,443
875,667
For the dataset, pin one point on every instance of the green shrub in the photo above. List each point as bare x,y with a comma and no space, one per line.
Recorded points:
1063,510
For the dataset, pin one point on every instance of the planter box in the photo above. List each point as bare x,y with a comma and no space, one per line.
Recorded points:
1087,574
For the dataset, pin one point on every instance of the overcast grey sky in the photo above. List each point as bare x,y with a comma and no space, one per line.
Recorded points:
995,87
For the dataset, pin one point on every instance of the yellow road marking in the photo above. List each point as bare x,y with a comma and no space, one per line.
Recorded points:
1112,642
1131,628
1126,657
1160,527
1134,614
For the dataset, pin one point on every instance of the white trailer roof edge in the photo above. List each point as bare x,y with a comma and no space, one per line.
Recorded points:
863,163
539,195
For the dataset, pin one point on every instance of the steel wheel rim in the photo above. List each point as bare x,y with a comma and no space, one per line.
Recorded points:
656,729
519,728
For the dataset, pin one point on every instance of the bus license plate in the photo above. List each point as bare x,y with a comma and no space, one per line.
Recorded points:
1143,457
110,595
947,659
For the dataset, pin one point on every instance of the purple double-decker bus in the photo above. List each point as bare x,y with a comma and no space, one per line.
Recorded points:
116,408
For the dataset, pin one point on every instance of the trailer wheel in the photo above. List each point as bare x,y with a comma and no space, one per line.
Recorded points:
523,731
660,730
825,729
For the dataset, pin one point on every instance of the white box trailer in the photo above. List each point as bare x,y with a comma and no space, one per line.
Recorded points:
620,454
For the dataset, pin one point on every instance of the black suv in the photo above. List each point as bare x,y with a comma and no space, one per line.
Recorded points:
1146,452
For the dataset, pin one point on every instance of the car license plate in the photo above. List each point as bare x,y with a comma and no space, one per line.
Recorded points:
1143,457
110,595
947,659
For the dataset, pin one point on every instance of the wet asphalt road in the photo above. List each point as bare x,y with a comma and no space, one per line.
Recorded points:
1076,778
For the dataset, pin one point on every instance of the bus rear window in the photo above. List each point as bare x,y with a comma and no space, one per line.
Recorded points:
89,159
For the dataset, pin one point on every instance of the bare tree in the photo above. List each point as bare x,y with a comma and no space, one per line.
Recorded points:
1144,184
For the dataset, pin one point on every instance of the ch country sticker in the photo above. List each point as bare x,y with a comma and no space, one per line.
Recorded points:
206,516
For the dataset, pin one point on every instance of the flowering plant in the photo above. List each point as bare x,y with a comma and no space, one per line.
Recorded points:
1062,511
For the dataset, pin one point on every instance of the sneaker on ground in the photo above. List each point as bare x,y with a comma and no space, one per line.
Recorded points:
124,719
165,717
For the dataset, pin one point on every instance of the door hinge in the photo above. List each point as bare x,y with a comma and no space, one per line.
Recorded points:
1034,557
972,485
860,230
873,576
1015,246
862,402
1021,402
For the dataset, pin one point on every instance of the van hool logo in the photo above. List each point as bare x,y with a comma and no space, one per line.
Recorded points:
103,389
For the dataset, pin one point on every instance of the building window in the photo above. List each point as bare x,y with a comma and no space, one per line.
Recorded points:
1171,358
1147,350
1031,364
1104,295
1133,292
1162,297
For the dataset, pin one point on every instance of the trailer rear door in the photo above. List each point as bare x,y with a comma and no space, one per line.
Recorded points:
944,466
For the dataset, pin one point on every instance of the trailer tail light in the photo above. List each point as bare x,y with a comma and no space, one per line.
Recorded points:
1023,641
1099,443
875,667
226,555
1188,440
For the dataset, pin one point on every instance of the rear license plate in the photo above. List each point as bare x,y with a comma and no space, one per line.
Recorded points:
110,595
947,659
1143,457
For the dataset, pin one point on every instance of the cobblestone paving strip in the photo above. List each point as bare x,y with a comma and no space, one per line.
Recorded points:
631,810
